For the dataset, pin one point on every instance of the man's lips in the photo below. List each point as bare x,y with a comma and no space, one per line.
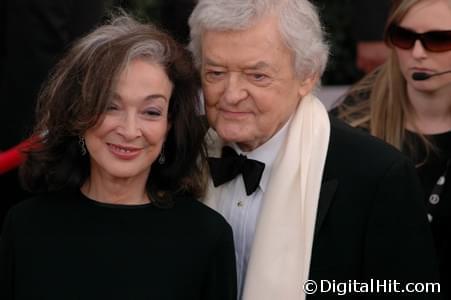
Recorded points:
234,114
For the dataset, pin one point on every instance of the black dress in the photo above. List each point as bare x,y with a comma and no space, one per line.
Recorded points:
430,168
66,246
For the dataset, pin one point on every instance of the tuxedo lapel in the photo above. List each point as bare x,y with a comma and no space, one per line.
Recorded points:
326,196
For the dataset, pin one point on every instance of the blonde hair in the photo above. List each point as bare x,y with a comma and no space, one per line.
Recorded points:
385,112
387,107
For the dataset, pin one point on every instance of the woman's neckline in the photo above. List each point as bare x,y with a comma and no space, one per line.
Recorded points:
113,205
443,133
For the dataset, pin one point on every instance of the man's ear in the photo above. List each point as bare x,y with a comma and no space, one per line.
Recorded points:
307,85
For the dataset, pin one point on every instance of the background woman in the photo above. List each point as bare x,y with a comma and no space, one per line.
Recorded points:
407,103
116,216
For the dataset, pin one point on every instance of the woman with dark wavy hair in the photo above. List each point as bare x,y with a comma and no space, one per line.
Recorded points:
117,170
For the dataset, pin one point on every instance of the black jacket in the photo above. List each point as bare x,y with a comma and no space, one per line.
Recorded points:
371,221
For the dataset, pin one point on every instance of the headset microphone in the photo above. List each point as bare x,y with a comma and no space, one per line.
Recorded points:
419,76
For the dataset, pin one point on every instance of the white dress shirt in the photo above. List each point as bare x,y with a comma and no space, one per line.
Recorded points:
242,211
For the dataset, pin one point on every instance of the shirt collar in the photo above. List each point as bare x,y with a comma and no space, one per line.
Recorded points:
266,153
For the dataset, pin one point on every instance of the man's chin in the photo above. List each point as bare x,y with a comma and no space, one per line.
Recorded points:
244,142
232,138
231,134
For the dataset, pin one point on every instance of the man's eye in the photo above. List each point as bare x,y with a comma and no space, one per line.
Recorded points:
214,74
258,77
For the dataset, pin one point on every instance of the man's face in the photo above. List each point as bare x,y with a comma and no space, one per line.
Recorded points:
249,83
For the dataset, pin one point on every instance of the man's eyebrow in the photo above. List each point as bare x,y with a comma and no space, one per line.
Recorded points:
257,66
209,61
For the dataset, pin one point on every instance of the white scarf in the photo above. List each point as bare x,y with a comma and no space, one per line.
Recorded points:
280,257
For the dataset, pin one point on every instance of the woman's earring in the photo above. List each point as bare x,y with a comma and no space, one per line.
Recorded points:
162,158
81,142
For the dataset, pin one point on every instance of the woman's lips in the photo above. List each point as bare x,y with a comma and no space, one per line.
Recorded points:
421,70
124,152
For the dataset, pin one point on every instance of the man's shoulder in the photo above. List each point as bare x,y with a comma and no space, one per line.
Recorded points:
356,150
345,137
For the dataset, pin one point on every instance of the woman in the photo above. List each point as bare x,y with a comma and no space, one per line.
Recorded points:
407,103
118,174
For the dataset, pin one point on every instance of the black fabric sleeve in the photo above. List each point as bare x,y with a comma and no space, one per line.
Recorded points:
6,258
221,278
399,244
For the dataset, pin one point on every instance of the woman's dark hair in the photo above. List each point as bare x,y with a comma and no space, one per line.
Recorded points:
78,92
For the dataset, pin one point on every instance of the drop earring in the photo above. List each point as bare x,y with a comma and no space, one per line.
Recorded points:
81,142
162,158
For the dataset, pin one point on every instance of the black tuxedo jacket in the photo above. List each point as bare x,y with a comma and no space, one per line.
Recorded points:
371,221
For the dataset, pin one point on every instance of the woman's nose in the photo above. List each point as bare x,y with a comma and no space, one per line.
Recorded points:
129,127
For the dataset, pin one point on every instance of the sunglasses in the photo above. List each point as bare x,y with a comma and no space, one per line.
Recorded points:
435,41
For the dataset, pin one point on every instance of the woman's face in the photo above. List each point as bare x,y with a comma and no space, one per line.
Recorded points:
130,135
427,15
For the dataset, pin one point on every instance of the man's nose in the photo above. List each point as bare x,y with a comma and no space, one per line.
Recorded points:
235,89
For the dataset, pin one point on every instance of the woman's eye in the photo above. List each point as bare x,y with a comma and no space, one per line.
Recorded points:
111,107
153,113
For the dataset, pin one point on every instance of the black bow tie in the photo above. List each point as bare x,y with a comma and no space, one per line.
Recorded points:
231,164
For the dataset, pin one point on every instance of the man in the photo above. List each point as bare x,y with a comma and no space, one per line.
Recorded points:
332,203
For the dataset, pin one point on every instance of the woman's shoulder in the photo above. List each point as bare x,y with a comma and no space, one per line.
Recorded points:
36,200
31,213
42,203
200,214
196,207
414,145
